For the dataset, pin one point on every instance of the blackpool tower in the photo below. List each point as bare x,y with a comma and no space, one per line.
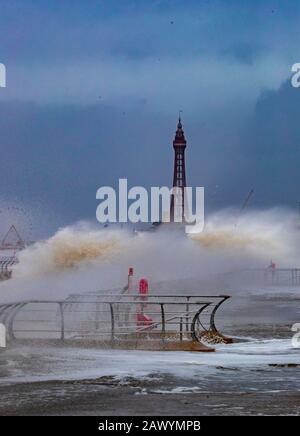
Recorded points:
179,178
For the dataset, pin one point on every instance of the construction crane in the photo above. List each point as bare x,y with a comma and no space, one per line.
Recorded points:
244,205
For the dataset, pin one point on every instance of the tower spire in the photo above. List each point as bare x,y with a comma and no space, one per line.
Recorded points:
179,116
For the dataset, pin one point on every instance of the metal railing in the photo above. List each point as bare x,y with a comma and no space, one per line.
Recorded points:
112,318
6,265
267,277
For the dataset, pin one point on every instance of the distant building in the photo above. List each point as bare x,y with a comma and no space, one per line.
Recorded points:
10,245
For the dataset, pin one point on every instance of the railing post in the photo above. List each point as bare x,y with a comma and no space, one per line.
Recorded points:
112,318
195,319
212,324
62,322
163,321
10,327
97,316
187,314
6,317
181,330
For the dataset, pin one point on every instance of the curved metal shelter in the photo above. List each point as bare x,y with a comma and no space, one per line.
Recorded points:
114,320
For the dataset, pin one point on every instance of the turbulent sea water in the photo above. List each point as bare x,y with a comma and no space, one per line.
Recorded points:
258,374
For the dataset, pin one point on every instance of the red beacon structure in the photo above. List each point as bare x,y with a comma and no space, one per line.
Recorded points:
143,320
143,288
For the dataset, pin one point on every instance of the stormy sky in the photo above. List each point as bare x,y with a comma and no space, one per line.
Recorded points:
94,89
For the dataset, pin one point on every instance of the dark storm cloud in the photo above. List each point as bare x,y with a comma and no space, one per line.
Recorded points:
274,151
94,90
62,154
244,53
